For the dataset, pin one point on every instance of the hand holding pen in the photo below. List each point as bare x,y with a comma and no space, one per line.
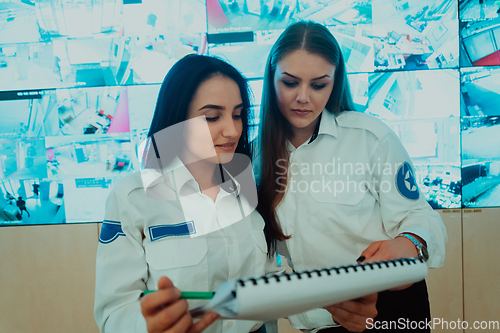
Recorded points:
165,311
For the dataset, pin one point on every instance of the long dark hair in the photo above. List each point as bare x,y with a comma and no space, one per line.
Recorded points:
176,93
275,129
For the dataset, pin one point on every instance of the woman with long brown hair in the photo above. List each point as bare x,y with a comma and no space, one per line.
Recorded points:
336,186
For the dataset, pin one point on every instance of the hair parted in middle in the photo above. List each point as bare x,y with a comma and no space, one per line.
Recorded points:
275,130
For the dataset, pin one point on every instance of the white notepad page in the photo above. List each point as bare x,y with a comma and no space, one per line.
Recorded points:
277,296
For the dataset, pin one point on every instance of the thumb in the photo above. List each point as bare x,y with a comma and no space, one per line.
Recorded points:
164,283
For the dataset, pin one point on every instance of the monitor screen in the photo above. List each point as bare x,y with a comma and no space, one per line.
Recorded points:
79,84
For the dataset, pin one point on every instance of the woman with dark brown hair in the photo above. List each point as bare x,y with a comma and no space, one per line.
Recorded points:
187,221
336,186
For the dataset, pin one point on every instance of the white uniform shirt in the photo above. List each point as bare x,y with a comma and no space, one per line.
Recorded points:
151,234
351,186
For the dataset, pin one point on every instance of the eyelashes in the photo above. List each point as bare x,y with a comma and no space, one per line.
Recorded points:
294,84
318,86
214,119
290,84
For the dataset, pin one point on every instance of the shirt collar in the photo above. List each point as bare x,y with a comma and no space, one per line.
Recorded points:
230,185
182,176
316,129
177,169
327,125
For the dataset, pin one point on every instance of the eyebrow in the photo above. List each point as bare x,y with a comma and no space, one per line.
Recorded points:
218,107
316,78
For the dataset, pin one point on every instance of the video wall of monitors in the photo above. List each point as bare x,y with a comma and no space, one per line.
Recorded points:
79,82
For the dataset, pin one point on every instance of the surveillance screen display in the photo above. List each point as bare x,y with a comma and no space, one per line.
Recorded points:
248,56
480,88
252,15
29,21
61,150
480,125
79,83
422,107
479,32
411,35
481,161
88,62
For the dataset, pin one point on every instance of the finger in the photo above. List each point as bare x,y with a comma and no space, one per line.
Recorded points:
354,312
164,283
370,251
402,287
204,322
170,317
183,324
152,303
377,257
368,299
351,321
366,308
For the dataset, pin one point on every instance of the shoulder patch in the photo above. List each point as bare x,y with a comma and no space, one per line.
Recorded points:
110,231
406,183
157,232
354,119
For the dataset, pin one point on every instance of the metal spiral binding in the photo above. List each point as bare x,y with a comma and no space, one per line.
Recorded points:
329,271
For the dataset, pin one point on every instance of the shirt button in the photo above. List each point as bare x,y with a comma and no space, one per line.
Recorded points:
230,241
229,323
292,225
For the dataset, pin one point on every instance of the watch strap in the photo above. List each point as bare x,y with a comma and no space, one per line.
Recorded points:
421,248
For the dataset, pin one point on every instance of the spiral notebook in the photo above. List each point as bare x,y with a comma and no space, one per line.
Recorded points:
275,296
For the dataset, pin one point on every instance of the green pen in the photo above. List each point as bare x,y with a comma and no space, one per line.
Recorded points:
188,294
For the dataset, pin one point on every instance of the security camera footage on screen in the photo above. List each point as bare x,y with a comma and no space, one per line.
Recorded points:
79,83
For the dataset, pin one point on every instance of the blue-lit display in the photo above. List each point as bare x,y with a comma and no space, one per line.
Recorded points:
79,83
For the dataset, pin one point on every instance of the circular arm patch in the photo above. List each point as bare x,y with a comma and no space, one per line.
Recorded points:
406,183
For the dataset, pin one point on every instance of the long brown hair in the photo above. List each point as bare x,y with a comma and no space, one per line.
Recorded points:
177,91
274,128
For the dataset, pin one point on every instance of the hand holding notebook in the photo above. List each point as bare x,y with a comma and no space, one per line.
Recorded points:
277,296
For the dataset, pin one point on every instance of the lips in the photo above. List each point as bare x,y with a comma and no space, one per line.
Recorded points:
229,146
301,111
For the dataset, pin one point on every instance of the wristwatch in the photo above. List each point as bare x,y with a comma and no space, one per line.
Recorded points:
421,248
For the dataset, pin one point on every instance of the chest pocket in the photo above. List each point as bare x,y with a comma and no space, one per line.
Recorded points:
343,191
336,206
176,252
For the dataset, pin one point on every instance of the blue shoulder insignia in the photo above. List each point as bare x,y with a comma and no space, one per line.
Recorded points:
406,183
167,230
110,230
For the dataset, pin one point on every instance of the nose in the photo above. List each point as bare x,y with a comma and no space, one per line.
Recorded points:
230,128
303,94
